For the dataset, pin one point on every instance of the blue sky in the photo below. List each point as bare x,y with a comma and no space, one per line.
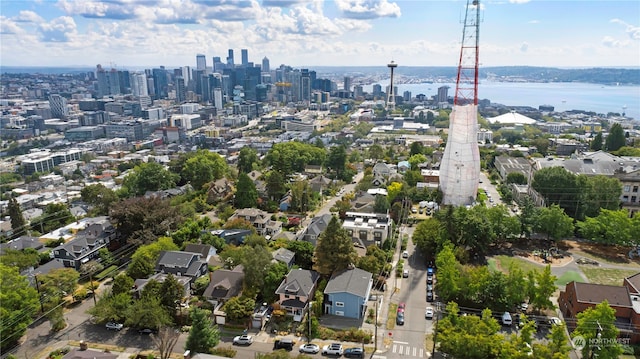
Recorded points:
132,33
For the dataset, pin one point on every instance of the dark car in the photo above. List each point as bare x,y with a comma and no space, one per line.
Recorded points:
400,318
430,296
147,331
284,343
354,353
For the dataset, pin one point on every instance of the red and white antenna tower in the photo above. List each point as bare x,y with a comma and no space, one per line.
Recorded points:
467,80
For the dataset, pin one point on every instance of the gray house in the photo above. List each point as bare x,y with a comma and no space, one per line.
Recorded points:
285,256
315,228
347,293
181,264
296,291
85,246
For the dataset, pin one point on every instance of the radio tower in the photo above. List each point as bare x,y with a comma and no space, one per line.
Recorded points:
391,98
460,166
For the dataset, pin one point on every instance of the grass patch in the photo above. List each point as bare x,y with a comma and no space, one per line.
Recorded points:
391,317
567,277
503,263
493,266
428,342
608,276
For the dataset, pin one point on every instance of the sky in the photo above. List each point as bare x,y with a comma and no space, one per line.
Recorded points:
139,33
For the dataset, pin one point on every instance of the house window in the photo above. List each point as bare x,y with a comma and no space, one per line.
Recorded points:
377,235
635,189
634,199
340,304
363,235
627,188
340,313
625,198
350,232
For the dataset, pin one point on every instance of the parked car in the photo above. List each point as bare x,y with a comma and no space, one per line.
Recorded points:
114,326
506,319
332,349
430,296
429,278
405,273
243,340
428,313
555,321
284,343
400,318
147,331
309,348
401,307
405,254
354,353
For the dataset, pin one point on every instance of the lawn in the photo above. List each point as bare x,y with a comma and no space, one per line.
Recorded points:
503,263
567,277
391,317
606,275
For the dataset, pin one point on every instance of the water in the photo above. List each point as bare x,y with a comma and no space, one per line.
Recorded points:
564,96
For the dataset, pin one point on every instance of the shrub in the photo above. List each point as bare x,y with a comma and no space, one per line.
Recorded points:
227,352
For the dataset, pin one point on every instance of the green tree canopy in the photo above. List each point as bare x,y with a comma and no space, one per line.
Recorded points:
293,156
203,335
553,222
246,159
142,220
203,167
334,249
616,138
144,259
19,303
246,193
558,186
596,142
598,323
100,197
18,223
303,253
150,176
447,285
611,227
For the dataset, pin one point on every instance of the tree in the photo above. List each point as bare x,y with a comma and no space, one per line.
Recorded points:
337,161
204,335
557,346
545,286
553,222
19,303
428,237
616,138
448,274
469,336
517,178
275,185
416,148
55,215
527,216
246,193
100,197
381,204
256,261
147,312
334,249
247,157
393,191
149,177
609,227
558,186
600,192
122,283
341,207
20,259
165,341
272,278
171,292
303,253
238,308
142,220
596,325
596,142
111,307
376,152
203,167
300,196
18,223
293,156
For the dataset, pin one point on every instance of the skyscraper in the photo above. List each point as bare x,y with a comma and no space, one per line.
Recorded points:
181,91
139,84
58,105
347,83
305,85
218,65
186,75
201,62
103,82
443,95
114,82
160,82
265,65
230,58
245,57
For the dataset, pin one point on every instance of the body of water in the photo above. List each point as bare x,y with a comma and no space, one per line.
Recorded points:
563,96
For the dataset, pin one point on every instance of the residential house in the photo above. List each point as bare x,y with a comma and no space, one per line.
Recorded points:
296,291
430,176
181,263
363,202
403,166
206,251
232,236
223,285
381,169
97,234
285,202
285,256
347,293
313,170
378,181
630,197
220,190
260,220
319,183
367,228
315,228
22,243
577,297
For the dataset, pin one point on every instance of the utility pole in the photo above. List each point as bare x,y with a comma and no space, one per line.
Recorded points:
35,276
435,329
598,336
375,342
93,290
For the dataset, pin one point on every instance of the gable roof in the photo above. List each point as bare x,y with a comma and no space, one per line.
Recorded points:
176,259
202,249
351,280
634,281
299,282
224,283
318,224
512,117
597,293
283,255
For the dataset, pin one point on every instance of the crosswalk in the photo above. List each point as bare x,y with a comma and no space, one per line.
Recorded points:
408,350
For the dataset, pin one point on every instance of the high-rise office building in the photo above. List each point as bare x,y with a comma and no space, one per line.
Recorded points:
230,58
103,82
125,84
139,84
218,65
161,82
347,83
58,105
265,65
201,62
181,91
245,57
114,82
443,95
305,85
186,75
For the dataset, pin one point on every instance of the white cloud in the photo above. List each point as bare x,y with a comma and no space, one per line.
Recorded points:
28,16
8,26
524,47
368,9
119,10
631,30
609,41
519,1
60,29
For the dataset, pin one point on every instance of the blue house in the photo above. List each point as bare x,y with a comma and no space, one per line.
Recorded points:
347,293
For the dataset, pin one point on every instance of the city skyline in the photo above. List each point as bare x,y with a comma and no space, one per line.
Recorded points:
300,33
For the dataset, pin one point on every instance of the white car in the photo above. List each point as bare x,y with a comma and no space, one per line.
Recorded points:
243,340
555,321
428,314
332,349
309,348
405,254
114,326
